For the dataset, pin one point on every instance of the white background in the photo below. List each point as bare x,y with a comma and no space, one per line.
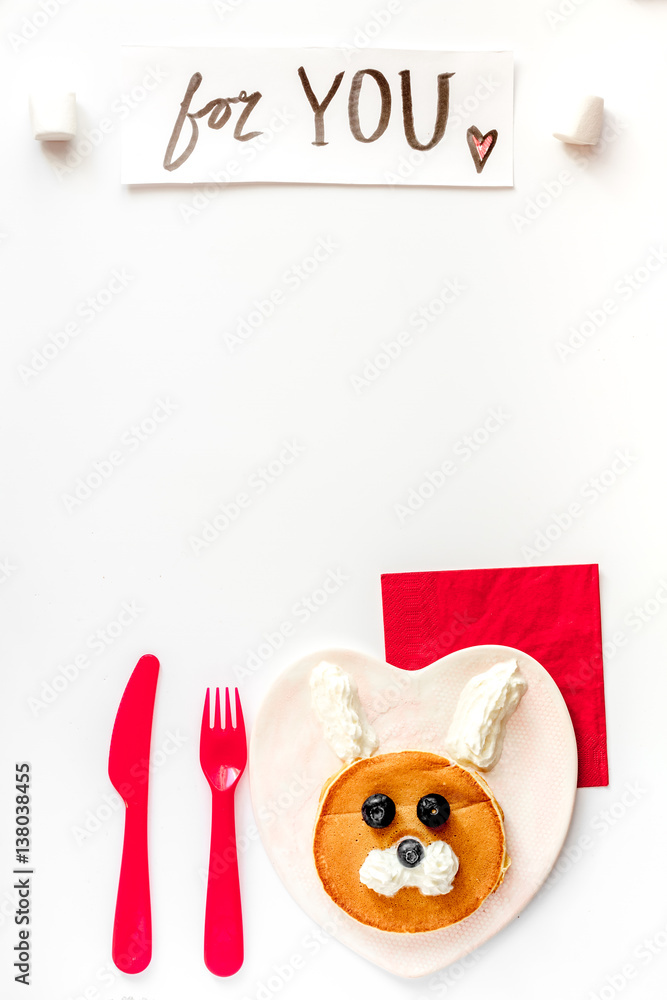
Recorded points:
162,337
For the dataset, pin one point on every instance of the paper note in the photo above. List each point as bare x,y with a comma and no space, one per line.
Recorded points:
316,115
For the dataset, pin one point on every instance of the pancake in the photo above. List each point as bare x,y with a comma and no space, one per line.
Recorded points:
474,831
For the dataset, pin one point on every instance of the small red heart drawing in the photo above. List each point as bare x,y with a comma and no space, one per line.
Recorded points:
481,146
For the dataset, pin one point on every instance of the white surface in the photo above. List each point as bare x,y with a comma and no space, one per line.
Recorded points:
159,146
493,346
534,783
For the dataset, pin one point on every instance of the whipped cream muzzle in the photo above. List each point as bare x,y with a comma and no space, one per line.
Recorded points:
433,874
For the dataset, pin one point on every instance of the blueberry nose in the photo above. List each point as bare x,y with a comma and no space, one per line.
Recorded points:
410,852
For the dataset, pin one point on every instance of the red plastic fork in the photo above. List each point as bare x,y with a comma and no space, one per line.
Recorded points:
223,753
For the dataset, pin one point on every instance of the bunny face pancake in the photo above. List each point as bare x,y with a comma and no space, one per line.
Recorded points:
439,887
412,841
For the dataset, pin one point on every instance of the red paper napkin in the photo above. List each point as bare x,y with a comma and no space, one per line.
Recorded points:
550,612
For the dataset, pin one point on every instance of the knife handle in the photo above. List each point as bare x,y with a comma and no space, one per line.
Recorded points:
132,931
223,928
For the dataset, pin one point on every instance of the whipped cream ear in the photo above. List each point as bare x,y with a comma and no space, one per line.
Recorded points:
337,706
487,701
433,876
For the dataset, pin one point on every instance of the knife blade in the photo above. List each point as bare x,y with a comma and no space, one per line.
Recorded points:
129,757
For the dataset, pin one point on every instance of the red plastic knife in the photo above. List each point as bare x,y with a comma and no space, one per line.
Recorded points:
129,758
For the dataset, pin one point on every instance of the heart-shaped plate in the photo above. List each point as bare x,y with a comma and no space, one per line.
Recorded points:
535,783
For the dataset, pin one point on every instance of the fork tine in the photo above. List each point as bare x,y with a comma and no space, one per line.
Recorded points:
240,724
228,710
217,723
206,717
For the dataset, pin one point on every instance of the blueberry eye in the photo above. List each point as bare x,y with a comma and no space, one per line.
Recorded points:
378,811
433,810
